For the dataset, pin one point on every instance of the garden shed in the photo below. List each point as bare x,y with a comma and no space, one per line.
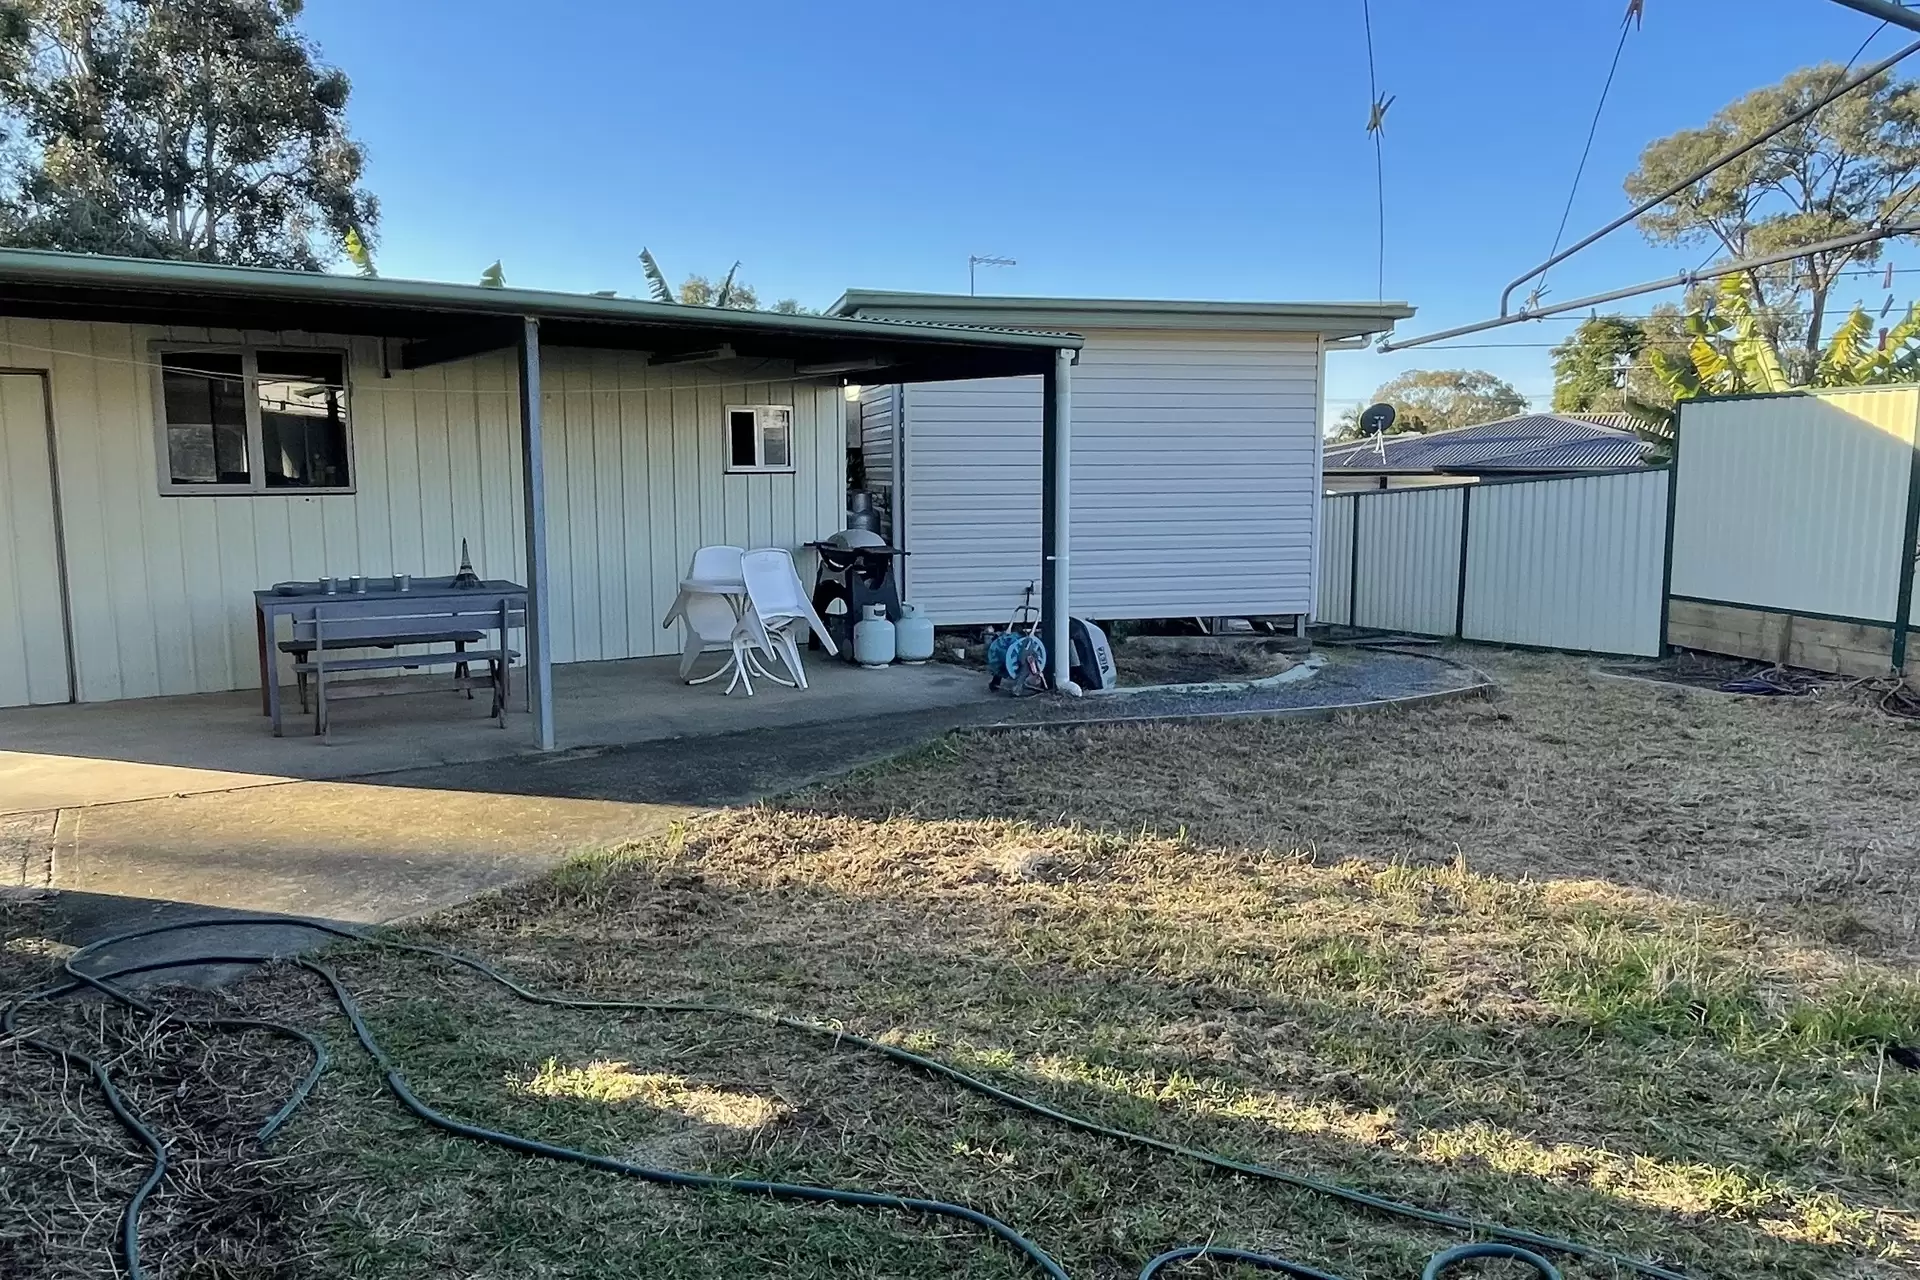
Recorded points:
1195,467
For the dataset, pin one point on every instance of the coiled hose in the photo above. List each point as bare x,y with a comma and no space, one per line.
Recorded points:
1499,1241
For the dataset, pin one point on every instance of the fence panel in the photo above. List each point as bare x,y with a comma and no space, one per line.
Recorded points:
1333,601
1795,503
1409,550
1572,563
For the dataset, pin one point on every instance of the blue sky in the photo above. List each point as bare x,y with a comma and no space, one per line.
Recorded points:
1119,148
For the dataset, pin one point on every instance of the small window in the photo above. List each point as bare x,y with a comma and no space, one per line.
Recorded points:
254,420
759,437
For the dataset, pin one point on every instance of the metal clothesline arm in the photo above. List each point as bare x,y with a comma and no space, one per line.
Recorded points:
1897,14
1844,87
1654,286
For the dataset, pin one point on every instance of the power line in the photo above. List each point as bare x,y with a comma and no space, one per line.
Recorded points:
1540,288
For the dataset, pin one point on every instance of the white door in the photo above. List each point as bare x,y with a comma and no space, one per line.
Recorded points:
33,626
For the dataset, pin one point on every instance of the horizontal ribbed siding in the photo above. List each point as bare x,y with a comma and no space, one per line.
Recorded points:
1194,481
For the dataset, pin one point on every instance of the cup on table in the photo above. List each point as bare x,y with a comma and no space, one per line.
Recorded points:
403,582
358,584
330,586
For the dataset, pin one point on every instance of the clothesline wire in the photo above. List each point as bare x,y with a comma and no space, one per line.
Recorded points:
1379,159
1580,169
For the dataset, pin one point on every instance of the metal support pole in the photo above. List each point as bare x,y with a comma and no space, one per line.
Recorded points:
1056,496
1886,11
534,493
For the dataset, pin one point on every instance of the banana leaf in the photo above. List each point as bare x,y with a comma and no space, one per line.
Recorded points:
657,284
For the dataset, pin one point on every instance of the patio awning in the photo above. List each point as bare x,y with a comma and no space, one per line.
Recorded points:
436,322
430,323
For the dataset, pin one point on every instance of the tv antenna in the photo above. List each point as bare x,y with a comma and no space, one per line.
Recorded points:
984,260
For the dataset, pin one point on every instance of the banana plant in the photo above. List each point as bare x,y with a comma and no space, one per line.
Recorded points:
657,285
1728,353
360,255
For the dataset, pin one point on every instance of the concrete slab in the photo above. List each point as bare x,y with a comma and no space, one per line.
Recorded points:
383,848
350,851
112,752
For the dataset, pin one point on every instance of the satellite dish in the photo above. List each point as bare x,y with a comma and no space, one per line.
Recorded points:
1377,419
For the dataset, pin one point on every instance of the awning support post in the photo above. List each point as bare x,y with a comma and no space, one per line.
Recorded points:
534,493
1056,489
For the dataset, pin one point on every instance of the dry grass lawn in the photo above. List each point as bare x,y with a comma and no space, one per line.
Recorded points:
1593,959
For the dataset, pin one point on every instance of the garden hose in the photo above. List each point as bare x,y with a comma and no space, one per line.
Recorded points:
1499,1241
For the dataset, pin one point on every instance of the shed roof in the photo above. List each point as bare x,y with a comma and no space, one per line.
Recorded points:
1328,319
1528,442
52,285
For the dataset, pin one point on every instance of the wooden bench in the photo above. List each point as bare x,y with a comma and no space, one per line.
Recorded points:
321,637
301,648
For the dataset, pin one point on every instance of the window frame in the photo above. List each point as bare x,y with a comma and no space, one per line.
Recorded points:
256,485
759,467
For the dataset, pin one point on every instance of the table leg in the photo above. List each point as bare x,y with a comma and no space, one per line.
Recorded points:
266,670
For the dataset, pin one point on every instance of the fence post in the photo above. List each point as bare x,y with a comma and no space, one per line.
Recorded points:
1909,546
1460,588
1353,568
1673,505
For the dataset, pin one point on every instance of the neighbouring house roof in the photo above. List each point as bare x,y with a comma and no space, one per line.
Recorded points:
1333,320
470,318
1528,442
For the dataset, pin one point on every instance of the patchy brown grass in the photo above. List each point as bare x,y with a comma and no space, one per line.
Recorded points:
1597,960
228,1207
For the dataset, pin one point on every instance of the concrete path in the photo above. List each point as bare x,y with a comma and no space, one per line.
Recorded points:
67,757
379,849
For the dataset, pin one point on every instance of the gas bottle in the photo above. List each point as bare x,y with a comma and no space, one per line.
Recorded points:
873,637
913,635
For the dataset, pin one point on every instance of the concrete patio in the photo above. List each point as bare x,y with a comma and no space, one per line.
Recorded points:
64,757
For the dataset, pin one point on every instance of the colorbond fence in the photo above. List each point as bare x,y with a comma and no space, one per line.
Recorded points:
1563,563
1795,525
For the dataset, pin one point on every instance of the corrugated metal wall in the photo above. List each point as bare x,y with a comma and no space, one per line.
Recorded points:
637,481
1333,597
1796,503
1564,563
1409,560
1568,564
33,641
879,410
161,586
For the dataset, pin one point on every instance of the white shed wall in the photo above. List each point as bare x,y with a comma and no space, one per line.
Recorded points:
1195,482
162,586
1795,503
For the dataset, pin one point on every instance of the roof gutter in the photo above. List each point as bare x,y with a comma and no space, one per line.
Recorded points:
1334,320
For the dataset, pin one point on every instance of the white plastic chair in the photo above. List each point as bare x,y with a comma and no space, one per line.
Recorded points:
712,620
778,609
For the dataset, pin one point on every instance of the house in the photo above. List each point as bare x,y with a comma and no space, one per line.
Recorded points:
1529,444
175,436
1195,467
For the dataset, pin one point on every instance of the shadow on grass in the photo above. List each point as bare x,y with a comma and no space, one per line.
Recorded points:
1765,1160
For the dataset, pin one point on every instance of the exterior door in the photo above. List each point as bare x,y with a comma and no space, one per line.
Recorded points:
34,667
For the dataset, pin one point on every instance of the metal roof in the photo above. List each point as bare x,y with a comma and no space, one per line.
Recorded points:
53,285
1534,441
1329,319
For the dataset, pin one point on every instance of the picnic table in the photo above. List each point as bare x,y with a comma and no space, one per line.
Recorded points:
411,612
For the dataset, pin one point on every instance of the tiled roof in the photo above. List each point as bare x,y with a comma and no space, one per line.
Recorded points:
1545,441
